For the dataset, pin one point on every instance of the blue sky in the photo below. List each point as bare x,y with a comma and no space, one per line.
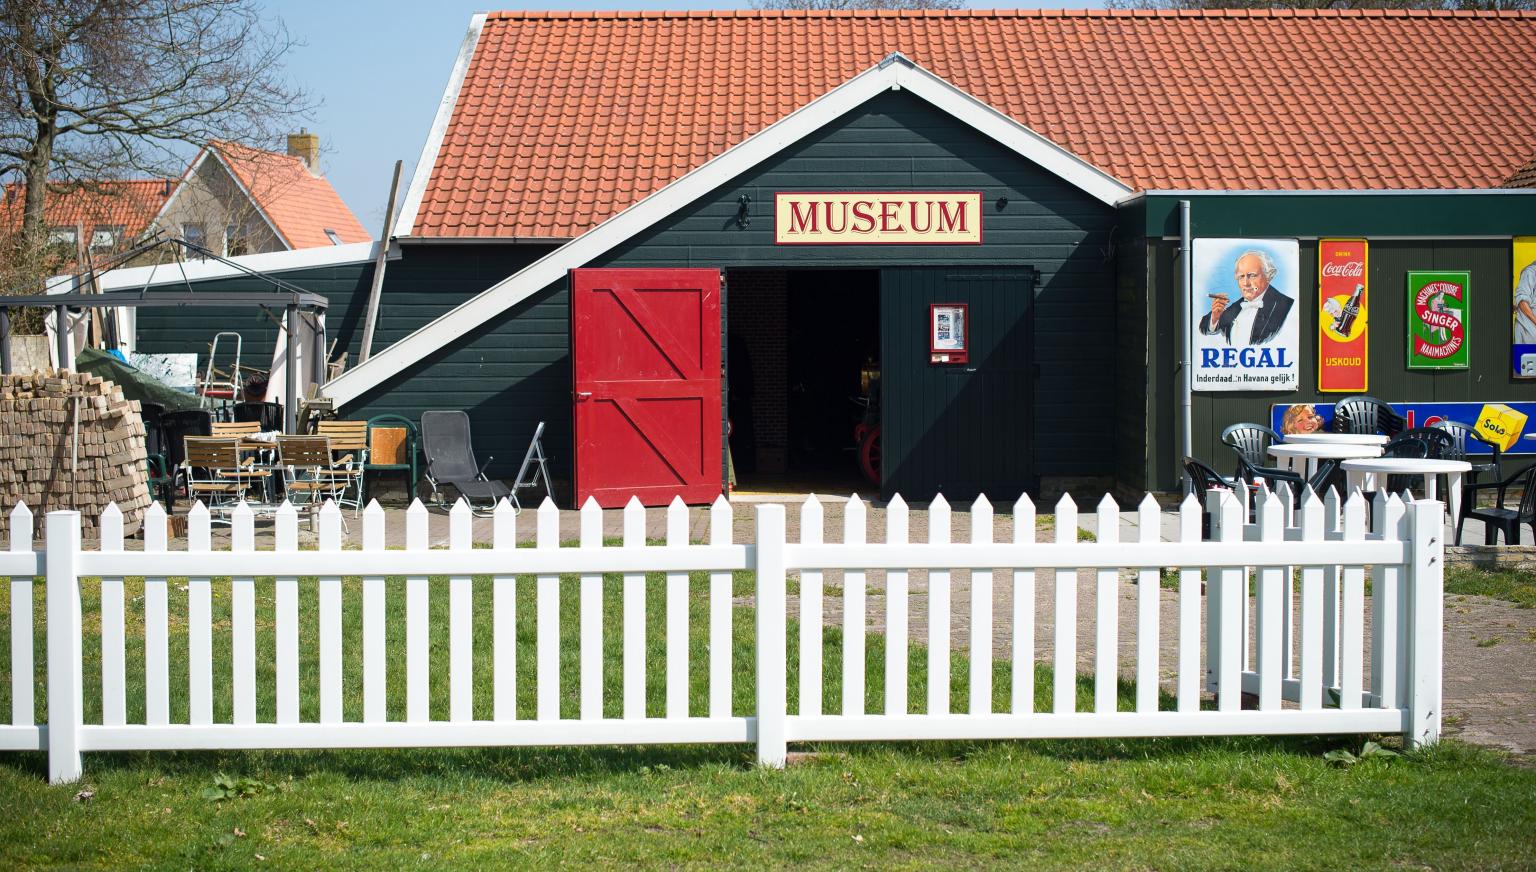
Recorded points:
380,68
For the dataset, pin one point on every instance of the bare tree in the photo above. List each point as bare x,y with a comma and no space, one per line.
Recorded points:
1322,4
858,4
98,89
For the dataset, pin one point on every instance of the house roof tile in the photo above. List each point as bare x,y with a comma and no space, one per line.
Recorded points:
565,118
130,205
300,205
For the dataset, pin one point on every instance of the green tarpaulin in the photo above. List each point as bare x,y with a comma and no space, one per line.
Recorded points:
136,385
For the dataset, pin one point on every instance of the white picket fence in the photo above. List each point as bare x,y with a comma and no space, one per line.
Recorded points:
1306,665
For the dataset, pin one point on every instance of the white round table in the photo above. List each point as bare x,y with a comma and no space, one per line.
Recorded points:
1294,456
1364,472
1336,439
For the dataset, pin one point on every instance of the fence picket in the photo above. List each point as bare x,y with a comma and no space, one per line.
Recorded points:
1232,610
897,611
1311,696
1352,620
23,669
677,615
720,592
854,519
242,623
1148,594
811,594
1390,520
547,609
157,657
634,616
1269,622
461,620
114,676
1064,680
1331,506
375,650
329,587
1189,610
1022,699
1107,622
938,612
285,597
418,652
591,617
981,613
200,621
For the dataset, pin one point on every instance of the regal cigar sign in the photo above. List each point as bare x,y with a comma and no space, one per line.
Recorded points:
878,218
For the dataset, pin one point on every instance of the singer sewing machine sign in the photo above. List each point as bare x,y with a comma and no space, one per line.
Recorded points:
1437,320
1342,336
1245,334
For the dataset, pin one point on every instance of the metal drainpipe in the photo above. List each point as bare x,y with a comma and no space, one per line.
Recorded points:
1186,306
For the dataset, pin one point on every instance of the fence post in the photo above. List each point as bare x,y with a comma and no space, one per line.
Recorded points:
1426,573
772,681
65,691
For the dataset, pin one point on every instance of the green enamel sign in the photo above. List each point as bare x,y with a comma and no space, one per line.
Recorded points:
1437,320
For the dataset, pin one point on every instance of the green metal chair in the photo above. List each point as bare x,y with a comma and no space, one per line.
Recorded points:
410,450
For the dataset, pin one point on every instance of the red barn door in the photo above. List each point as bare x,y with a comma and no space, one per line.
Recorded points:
646,352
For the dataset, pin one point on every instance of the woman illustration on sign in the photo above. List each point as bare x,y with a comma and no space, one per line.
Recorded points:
1525,306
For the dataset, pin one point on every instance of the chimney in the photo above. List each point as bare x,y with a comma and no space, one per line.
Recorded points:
306,147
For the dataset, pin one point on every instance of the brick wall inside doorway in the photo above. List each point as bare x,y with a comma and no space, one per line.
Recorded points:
756,309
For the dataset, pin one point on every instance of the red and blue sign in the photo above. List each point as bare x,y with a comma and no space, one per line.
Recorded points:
1428,415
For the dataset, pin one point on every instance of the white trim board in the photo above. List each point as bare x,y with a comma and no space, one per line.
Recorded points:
895,73
406,217
134,278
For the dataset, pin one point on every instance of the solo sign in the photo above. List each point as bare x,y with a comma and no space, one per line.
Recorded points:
877,218
1437,320
1341,341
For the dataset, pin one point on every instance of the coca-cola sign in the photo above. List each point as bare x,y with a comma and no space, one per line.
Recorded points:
1343,341
1437,320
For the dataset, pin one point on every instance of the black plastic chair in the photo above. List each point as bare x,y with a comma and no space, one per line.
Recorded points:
1202,479
1366,415
1273,478
1497,518
1250,441
268,415
1409,447
1463,435
450,454
162,476
177,426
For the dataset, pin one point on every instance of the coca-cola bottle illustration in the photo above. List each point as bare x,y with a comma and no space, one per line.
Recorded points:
1346,319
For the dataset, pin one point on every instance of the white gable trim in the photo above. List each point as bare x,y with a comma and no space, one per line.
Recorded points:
405,219
235,177
180,183
134,278
894,73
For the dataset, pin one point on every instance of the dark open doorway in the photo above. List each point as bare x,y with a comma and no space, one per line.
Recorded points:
804,346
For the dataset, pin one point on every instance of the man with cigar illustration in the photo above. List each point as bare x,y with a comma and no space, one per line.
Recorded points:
1259,315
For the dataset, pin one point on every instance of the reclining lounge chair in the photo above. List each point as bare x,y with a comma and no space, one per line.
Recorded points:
451,461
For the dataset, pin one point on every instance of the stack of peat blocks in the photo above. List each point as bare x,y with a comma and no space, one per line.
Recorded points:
69,440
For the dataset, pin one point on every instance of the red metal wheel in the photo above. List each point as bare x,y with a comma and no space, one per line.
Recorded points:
869,454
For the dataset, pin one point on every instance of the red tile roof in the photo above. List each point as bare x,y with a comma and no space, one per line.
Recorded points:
565,118
126,204
302,206
1524,177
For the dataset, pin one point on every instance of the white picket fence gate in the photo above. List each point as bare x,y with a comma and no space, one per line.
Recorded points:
1307,664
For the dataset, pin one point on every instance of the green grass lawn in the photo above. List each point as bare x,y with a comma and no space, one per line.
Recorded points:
1185,803
1505,584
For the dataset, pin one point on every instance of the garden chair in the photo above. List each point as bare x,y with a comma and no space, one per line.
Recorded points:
350,440
1250,441
1273,478
268,415
1464,435
450,454
1363,414
162,476
1497,518
1202,479
309,478
215,473
392,446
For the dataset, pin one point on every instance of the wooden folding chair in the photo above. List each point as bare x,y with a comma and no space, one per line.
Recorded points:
350,440
216,474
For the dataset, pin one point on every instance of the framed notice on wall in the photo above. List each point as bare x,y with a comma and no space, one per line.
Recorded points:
947,325
1342,340
1523,346
1437,319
